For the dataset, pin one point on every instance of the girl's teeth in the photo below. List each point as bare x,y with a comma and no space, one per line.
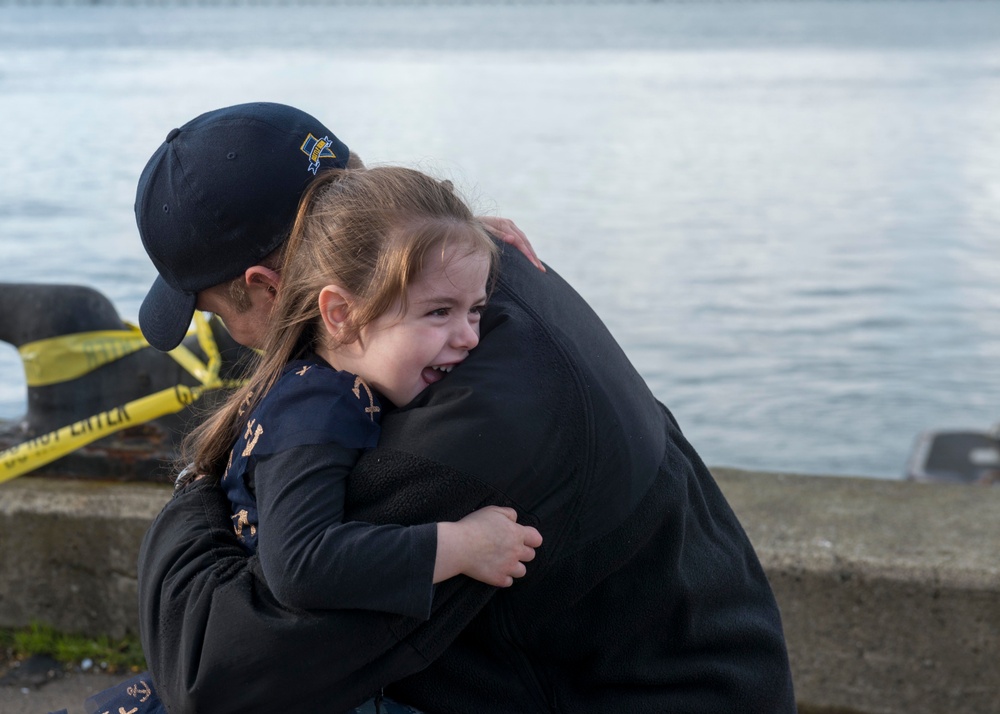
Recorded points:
443,369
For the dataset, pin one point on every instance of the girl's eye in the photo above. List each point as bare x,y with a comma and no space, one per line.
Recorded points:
440,312
478,310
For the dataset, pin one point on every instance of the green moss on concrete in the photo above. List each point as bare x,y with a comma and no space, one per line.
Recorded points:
112,655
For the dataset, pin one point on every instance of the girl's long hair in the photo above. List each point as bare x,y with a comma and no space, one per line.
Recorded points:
369,231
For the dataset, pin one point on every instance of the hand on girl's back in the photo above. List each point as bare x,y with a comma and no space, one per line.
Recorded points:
507,231
497,547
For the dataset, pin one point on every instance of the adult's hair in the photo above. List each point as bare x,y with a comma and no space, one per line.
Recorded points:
236,293
368,231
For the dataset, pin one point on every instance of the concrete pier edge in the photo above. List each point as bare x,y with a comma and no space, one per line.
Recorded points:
889,590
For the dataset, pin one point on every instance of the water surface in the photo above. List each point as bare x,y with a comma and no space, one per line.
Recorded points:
788,213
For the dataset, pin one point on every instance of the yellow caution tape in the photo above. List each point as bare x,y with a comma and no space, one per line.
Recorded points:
85,353
66,357
44,449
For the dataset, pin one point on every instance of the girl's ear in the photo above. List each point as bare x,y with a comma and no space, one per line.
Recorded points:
335,307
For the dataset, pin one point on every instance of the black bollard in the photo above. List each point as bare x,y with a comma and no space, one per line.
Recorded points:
144,451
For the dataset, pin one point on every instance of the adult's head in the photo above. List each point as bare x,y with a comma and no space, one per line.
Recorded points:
214,205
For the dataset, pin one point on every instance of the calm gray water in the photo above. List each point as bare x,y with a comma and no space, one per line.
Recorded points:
788,213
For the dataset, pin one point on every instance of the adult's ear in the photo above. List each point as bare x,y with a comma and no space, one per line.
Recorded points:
335,307
259,277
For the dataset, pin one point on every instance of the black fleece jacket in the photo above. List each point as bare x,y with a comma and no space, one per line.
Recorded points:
646,595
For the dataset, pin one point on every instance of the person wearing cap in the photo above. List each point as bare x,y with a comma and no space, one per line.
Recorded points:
214,206
646,595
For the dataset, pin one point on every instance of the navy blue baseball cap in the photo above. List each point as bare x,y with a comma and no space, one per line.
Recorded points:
220,194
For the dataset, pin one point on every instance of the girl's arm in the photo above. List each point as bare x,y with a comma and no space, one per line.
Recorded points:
314,559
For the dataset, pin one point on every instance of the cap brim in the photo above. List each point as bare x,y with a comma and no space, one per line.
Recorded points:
165,315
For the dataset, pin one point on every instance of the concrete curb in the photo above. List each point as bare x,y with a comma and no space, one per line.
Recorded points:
68,552
890,591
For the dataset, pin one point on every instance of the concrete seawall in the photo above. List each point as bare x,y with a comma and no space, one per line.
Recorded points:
890,591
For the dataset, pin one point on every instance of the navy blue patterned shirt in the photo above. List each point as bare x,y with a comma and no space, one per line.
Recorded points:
286,483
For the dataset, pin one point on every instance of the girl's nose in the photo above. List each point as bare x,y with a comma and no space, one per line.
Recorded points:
466,335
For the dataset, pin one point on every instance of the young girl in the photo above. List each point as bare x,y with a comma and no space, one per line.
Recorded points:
383,284
384,281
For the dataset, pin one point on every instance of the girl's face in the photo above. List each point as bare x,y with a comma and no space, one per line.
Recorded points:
400,354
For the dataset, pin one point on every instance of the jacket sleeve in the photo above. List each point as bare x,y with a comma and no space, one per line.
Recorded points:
313,558
216,640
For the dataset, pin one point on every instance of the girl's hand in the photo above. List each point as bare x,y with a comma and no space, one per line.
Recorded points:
505,230
487,545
